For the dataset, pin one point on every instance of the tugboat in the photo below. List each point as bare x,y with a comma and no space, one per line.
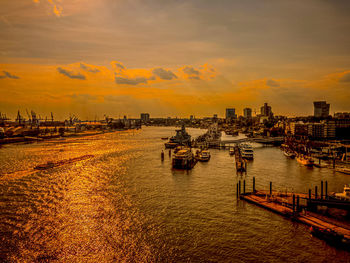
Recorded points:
181,138
184,159
204,156
247,151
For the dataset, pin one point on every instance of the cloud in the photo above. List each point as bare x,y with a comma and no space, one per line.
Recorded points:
190,71
194,77
164,74
345,77
89,69
70,74
8,75
130,81
118,65
55,5
272,83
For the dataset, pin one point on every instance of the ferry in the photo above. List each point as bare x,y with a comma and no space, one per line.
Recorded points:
304,160
204,156
247,151
184,159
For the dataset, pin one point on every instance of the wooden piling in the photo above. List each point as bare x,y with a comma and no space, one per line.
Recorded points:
237,190
243,186
298,204
293,202
316,192
326,190
239,187
321,189
253,184
270,188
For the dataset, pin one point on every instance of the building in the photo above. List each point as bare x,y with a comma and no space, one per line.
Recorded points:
231,114
144,117
247,113
321,109
266,110
299,129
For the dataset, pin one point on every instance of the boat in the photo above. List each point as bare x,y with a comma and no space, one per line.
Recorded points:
304,160
181,138
345,195
165,138
327,234
343,170
247,151
204,156
231,151
289,154
49,165
184,159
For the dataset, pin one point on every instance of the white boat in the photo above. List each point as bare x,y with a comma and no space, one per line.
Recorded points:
231,151
204,156
345,195
343,170
247,151
289,154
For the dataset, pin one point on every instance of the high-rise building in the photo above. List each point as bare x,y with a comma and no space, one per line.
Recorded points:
230,113
145,117
266,110
247,112
321,109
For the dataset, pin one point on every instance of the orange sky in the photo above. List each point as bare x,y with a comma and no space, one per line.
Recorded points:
172,58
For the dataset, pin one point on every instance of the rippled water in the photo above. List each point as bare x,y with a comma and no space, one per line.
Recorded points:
126,205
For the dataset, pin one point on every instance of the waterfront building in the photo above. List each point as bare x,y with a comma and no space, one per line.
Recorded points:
321,109
247,113
145,117
342,115
231,114
266,110
299,129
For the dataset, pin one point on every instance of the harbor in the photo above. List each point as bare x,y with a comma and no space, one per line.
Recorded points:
176,213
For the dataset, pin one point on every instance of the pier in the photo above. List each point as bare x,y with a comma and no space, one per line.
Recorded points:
303,208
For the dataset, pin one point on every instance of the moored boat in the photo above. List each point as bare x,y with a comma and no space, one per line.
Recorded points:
247,151
231,151
204,156
345,195
304,160
289,154
181,138
343,170
184,159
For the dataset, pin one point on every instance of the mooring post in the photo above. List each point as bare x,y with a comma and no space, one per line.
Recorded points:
309,194
326,190
316,192
237,190
293,202
239,187
333,162
253,184
270,188
298,207
243,186
319,160
321,189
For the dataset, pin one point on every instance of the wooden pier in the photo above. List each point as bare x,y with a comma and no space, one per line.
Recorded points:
300,208
241,164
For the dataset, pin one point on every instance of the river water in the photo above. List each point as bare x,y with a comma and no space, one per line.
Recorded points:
125,205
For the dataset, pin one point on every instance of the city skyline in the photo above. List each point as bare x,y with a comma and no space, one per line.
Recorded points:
173,59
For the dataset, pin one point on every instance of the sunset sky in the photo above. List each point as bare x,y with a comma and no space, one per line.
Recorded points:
173,58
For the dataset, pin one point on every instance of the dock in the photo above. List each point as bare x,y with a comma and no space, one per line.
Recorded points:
241,164
302,208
